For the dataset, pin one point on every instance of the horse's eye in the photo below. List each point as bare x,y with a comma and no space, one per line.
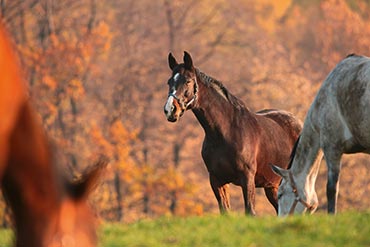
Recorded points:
188,81
279,196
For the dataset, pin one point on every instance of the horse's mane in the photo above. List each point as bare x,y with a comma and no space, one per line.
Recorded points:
220,88
294,150
351,55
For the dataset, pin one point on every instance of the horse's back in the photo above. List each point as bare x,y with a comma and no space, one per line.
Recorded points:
341,110
354,99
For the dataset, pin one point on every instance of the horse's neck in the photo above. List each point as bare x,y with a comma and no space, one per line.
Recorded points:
214,110
307,158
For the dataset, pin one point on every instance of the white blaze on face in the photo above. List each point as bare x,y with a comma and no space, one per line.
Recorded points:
176,77
169,104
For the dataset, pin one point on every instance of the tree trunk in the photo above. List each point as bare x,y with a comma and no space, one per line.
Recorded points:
173,193
117,187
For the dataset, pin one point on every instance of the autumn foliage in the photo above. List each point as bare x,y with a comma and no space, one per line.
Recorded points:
97,74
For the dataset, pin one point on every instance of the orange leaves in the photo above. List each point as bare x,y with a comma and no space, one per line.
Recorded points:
102,36
176,181
189,207
49,82
99,139
115,142
75,89
269,12
59,66
52,111
67,56
119,133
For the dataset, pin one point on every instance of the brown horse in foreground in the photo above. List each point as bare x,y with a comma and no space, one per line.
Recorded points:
48,210
238,144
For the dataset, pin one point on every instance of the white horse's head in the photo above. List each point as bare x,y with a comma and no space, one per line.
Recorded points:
294,197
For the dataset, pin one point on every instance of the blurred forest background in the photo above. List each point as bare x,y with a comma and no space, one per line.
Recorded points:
97,74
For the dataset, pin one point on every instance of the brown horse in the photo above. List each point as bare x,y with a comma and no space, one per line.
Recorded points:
48,210
239,144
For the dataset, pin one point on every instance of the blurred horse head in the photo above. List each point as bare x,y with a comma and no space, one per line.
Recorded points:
48,209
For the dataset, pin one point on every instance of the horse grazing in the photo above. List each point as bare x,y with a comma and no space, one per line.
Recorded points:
337,123
239,144
48,210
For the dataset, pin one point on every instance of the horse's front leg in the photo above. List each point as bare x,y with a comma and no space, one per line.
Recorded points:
222,194
249,192
332,186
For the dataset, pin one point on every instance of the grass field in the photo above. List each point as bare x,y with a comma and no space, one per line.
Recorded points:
345,229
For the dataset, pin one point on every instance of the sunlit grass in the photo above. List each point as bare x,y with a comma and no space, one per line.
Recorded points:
6,237
345,229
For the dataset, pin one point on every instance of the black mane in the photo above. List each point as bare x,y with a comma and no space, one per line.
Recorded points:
218,86
294,150
352,55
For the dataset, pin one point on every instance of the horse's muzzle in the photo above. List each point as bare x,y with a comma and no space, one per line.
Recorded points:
171,119
172,110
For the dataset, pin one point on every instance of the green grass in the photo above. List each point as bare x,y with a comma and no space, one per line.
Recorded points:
345,229
6,236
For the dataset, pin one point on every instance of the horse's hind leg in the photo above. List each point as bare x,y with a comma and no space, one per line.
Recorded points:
222,194
271,194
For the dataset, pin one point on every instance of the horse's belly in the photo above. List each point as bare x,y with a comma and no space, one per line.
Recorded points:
220,164
223,171
262,182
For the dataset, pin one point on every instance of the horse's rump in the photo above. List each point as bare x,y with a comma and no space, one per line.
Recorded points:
285,119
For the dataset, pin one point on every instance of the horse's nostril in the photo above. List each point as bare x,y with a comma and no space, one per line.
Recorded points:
169,110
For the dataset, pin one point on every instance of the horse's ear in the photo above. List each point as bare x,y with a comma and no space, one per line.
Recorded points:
188,61
279,171
172,61
81,188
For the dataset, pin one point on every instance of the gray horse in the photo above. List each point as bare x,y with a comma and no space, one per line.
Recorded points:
337,123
